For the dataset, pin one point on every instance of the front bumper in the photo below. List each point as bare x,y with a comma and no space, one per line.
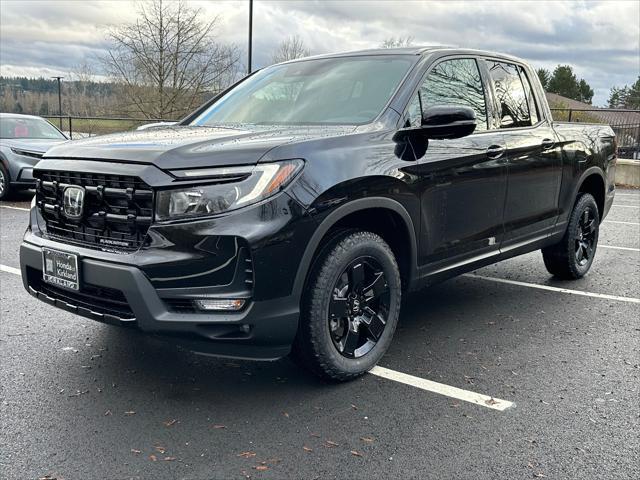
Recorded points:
189,260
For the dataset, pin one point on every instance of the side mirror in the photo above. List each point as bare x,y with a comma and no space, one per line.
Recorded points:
448,121
441,122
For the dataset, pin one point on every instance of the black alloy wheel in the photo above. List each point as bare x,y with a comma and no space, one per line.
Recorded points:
585,237
572,256
359,307
350,306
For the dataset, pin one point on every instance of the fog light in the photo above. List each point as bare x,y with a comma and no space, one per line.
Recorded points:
227,304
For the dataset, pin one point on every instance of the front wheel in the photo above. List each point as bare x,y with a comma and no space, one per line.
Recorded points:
571,258
5,187
351,306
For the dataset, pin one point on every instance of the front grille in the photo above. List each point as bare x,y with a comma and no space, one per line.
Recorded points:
117,210
91,299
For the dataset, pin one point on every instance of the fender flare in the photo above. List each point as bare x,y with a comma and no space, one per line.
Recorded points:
587,173
342,211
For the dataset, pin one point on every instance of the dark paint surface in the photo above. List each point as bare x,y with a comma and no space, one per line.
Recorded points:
463,203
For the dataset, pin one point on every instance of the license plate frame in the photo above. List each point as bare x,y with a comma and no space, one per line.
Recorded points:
60,269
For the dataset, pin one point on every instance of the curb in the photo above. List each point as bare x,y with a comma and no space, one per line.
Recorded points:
628,172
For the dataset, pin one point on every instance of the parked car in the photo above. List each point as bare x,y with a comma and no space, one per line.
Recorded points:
23,140
146,126
290,213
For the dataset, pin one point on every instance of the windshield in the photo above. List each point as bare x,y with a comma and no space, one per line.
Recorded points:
24,127
347,90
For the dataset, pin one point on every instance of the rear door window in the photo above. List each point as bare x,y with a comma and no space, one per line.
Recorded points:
510,92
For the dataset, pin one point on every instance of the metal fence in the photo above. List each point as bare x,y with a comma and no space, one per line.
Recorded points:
625,124
80,127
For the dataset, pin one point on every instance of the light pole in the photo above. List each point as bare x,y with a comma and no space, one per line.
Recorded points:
250,34
59,101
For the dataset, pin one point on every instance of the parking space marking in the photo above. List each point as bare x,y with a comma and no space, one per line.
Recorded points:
622,223
441,389
625,206
553,289
14,208
5,268
621,248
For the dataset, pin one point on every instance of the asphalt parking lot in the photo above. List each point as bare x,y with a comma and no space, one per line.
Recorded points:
81,400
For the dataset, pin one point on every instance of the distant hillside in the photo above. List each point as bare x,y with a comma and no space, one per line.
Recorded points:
40,96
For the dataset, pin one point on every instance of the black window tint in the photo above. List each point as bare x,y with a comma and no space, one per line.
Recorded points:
511,96
456,82
531,98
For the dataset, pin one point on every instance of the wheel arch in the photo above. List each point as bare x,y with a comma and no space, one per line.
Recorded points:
357,214
593,182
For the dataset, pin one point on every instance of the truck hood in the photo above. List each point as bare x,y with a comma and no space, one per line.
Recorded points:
34,145
192,147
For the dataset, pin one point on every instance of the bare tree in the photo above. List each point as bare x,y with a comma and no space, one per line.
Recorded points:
168,59
289,49
393,42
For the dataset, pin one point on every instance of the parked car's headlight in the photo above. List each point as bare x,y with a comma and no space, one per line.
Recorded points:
235,187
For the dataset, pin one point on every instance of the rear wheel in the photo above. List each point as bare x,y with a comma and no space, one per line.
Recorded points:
571,258
5,187
351,307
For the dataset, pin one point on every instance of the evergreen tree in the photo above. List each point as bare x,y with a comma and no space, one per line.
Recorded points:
564,82
586,92
544,76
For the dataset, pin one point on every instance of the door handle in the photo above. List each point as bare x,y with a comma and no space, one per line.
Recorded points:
495,151
547,144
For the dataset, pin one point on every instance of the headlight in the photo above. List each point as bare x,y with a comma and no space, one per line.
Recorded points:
235,187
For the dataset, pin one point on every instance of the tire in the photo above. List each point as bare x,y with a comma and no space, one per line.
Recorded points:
350,308
5,186
571,258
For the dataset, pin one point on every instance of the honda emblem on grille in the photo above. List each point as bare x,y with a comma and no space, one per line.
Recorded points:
73,202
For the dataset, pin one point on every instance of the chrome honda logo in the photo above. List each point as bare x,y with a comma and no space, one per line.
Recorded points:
73,202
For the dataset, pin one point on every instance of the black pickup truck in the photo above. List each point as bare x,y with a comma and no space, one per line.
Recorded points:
289,213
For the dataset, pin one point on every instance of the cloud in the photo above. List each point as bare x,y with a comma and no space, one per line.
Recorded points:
601,40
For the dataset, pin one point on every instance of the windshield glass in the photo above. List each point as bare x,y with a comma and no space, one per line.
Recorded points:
347,90
24,127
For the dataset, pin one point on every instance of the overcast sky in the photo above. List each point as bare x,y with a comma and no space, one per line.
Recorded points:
600,39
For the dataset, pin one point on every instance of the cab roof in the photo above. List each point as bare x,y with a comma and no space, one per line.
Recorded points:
417,50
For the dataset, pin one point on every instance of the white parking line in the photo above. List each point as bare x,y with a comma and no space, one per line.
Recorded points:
14,208
553,289
620,248
622,223
627,195
625,206
442,389
5,268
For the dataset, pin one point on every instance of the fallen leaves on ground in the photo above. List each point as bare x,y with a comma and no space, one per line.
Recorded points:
169,422
247,454
78,393
330,444
136,451
355,453
160,449
307,449
218,427
491,401
261,468
153,458
169,459
367,439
